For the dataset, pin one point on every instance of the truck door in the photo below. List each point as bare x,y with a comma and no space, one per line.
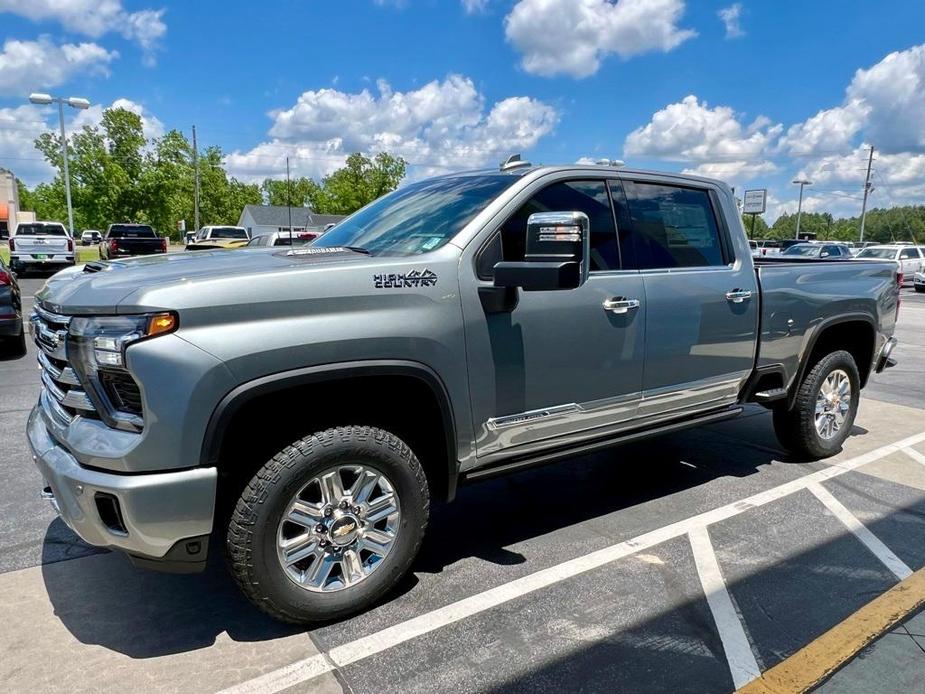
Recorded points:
701,299
554,363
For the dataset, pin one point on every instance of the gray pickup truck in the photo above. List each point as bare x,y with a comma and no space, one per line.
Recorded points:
458,328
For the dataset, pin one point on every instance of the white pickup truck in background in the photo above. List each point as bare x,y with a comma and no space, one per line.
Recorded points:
40,245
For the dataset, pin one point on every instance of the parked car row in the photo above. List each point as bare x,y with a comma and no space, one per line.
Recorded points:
12,337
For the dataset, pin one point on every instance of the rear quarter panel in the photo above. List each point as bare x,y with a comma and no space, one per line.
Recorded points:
801,299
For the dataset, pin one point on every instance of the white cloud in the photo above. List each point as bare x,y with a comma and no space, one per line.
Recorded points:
572,36
151,126
690,130
830,130
95,18
733,170
732,20
474,6
441,126
19,127
26,66
894,91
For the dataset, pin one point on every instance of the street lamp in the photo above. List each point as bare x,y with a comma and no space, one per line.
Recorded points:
73,102
801,182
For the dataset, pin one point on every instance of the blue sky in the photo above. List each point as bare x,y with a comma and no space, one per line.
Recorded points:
754,92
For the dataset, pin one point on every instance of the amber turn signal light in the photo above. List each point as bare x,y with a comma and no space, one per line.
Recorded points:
161,323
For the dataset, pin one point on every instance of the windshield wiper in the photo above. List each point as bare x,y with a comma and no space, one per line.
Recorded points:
357,249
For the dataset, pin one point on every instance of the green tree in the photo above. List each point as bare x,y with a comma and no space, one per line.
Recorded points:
755,226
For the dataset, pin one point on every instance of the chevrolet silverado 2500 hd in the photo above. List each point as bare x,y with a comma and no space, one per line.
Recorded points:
457,328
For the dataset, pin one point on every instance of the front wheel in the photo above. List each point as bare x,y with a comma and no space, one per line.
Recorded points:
824,410
329,525
920,288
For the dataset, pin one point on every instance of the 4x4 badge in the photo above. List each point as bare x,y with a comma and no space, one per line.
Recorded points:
415,278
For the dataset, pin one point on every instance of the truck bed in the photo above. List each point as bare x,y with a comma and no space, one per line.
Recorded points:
798,297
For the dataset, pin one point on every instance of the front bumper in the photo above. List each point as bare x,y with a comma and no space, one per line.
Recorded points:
153,516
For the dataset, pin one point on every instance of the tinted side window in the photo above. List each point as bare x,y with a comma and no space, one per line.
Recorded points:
673,227
909,253
590,197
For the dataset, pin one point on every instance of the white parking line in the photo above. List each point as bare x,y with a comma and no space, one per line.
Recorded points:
871,541
742,664
388,638
914,454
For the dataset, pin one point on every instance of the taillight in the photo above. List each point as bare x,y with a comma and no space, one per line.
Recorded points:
113,245
70,245
12,245
5,279
899,290
164,244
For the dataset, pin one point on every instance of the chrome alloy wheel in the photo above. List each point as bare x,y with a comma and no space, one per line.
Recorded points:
339,527
833,401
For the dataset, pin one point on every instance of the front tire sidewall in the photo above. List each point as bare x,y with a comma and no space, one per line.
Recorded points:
269,585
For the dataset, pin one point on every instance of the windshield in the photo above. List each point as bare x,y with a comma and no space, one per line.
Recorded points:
41,230
885,253
418,218
131,231
228,233
806,251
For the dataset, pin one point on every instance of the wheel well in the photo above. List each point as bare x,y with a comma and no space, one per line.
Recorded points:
405,405
855,337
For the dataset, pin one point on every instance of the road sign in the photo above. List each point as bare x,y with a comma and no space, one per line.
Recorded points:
755,202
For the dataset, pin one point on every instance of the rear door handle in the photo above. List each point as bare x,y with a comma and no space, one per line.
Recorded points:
737,296
620,304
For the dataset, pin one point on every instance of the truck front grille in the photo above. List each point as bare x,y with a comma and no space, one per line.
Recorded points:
63,397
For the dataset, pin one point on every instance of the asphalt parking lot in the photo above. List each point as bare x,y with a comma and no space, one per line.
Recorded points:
690,563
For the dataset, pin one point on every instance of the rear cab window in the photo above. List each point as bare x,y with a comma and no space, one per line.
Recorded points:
41,230
131,231
673,227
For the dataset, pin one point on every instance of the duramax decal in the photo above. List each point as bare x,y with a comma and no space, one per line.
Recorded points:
415,278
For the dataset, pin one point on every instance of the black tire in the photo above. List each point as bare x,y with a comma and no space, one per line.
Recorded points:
796,427
919,288
251,544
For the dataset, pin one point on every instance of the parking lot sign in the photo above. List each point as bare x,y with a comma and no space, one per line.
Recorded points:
755,201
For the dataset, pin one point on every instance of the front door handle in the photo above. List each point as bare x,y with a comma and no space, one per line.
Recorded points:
737,296
619,304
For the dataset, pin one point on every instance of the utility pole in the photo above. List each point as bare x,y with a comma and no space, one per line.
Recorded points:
870,161
289,199
196,178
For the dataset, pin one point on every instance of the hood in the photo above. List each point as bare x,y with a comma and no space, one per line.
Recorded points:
101,287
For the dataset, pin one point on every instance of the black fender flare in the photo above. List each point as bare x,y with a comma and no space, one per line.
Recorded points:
229,405
814,338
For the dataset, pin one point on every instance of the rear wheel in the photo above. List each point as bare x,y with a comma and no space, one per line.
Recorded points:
824,410
920,288
329,525
13,346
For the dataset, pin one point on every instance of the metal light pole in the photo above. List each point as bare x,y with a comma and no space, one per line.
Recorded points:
74,102
802,182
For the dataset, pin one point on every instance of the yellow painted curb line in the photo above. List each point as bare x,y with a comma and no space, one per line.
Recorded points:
814,662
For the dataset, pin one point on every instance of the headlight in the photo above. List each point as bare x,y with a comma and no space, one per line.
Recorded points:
108,336
96,350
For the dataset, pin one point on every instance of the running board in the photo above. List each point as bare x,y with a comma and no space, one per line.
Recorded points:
546,457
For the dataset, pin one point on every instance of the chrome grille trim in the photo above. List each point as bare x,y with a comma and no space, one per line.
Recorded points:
63,397
53,410
50,317
65,375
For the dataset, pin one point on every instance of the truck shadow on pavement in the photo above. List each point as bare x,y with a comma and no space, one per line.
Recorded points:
104,600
